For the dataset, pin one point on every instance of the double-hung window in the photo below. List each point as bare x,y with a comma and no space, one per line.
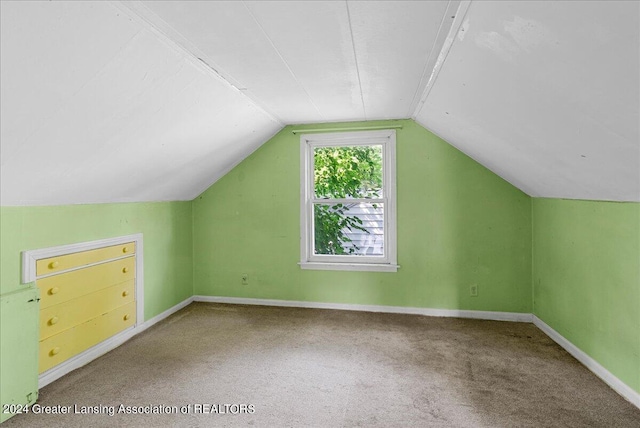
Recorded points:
348,201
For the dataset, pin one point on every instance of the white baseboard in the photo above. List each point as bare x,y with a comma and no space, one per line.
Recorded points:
455,313
595,367
104,347
620,387
89,355
172,310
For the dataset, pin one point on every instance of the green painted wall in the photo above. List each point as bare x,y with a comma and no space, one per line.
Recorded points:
167,234
19,323
168,265
458,224
586,279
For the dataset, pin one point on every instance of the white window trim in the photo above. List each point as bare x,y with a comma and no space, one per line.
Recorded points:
308,260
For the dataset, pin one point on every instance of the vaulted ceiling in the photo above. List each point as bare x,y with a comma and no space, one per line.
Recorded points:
151,101
546,94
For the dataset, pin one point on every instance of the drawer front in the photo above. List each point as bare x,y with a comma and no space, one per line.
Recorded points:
61,288
69,261
71,342
57,318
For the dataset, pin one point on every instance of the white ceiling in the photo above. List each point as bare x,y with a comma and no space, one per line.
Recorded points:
312,61
149,101
96,107
546,94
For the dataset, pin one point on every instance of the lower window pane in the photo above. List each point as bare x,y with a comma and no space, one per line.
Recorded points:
349,229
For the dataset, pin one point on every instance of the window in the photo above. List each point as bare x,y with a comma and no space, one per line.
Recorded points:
347,201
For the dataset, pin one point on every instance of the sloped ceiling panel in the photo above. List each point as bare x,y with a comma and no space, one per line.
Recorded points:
397,45
146,101
546,94
315,41
96,107
228,38
313,61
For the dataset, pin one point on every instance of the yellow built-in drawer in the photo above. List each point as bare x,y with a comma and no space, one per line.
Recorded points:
74,260
61,288
57,318
71,342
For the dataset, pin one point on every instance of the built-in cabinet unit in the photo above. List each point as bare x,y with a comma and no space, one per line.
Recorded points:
90,300
85,298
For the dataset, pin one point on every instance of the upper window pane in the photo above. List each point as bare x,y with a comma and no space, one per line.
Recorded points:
348,172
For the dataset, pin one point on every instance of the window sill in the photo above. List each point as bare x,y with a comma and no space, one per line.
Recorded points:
361,267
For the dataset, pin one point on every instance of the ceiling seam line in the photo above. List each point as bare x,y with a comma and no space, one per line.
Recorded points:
426,64
283,60
136,10
461,13
355,57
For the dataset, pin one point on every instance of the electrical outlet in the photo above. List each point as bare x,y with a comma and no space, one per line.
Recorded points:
245,279
474,290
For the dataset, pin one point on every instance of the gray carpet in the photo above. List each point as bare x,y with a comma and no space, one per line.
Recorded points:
322,368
